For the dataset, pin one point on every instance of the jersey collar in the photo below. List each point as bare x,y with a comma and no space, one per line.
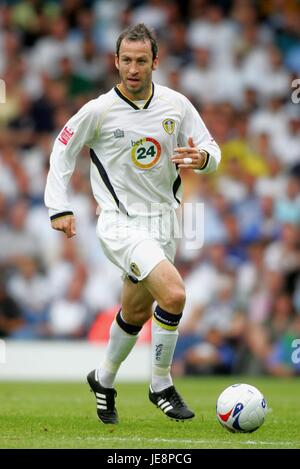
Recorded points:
131,103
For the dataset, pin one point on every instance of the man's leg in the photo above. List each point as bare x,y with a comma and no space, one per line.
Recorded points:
166,285
136,310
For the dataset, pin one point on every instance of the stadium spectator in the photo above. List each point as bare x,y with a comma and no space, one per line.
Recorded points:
270,341
69,316
211,333
29,288
10,314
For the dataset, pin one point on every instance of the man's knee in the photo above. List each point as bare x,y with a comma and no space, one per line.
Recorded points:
166,286
173,299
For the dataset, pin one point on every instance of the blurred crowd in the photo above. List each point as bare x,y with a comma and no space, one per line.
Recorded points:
238,61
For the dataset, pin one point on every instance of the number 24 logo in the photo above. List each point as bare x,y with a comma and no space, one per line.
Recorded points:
144,152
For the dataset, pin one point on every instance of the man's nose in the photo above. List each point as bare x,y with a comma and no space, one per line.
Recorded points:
133,68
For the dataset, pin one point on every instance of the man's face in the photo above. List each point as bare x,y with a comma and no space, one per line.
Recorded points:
135,65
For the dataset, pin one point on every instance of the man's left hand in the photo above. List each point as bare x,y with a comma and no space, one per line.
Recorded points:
197,157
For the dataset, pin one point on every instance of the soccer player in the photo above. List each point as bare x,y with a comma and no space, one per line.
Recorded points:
140,134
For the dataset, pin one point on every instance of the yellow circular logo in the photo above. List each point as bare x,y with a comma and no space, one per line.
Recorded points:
146,152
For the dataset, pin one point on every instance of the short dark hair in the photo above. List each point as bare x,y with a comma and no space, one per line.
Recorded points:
139,32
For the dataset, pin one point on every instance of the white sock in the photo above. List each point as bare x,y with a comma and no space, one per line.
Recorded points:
163,346
119,346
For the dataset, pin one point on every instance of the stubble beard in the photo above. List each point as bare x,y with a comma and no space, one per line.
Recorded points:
142,88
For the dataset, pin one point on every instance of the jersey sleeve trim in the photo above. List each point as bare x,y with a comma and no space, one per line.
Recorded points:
206,162
61,215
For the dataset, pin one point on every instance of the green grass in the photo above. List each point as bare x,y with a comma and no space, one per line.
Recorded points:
62,415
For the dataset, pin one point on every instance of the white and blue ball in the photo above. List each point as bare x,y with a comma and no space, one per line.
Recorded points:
241,408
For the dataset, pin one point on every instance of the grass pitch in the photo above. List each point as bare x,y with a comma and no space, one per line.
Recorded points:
62,415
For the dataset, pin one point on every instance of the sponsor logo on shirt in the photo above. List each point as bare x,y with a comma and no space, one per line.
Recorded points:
145,152
65,135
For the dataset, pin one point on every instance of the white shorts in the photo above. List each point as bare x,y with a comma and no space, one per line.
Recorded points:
137,244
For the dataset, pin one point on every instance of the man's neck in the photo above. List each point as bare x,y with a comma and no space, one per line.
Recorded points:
145,95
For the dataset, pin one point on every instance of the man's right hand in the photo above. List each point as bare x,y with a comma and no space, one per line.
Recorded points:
65,224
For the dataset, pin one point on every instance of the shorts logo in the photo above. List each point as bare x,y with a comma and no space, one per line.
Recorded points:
169,126
65,135
145,153
134,269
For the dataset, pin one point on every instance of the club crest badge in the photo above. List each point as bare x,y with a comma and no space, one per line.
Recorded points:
169,126
134,269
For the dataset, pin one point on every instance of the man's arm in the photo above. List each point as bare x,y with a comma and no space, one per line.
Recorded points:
79,131
196,143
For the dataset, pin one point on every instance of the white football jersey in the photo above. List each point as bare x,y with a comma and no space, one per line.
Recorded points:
130,149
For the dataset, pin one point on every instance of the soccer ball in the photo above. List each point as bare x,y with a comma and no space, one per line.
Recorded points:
241,408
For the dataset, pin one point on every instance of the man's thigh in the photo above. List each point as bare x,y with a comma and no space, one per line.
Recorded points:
164,280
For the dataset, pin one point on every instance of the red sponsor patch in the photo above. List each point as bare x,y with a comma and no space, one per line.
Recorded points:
65,135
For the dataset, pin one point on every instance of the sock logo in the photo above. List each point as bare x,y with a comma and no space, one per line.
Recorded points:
158,351
166,319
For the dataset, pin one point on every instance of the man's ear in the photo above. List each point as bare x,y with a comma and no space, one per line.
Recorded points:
155,63
117,61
